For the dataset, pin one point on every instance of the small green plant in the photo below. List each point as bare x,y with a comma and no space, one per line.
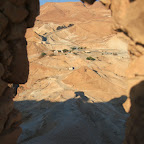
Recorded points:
65,50
81,47
75,53
73,48
42,54
90,58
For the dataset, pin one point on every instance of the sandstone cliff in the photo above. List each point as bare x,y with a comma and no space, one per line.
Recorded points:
129,20
128,15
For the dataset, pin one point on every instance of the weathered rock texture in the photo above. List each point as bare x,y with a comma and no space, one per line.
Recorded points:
129,19
15,17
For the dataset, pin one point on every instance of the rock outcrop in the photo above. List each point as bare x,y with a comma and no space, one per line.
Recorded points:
128,16
129,20
15,17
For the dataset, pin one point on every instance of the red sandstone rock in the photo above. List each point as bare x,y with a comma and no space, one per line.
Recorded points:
1,70
3,86
19,68
15,14
13,62
135,125
33,7
136,68
3,23
18,2
6,106
129,19
6,54
106,2
17,31
3,45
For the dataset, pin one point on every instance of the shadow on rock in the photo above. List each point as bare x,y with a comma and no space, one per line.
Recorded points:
75,121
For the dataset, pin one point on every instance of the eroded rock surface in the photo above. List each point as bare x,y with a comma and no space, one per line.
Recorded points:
128,15
20,14
15,17
69,98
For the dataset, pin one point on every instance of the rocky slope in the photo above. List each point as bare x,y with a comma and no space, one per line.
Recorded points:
72,116
77,85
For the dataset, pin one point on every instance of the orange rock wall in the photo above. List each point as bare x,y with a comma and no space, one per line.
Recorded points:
15,17
129,19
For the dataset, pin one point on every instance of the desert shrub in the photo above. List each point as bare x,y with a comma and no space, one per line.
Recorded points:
73,48
90,58
75,53
81,47
65,50
61,27
115,53
42,54
70,25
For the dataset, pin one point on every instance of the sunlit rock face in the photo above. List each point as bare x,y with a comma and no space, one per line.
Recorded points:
15,17
18,15
128,15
